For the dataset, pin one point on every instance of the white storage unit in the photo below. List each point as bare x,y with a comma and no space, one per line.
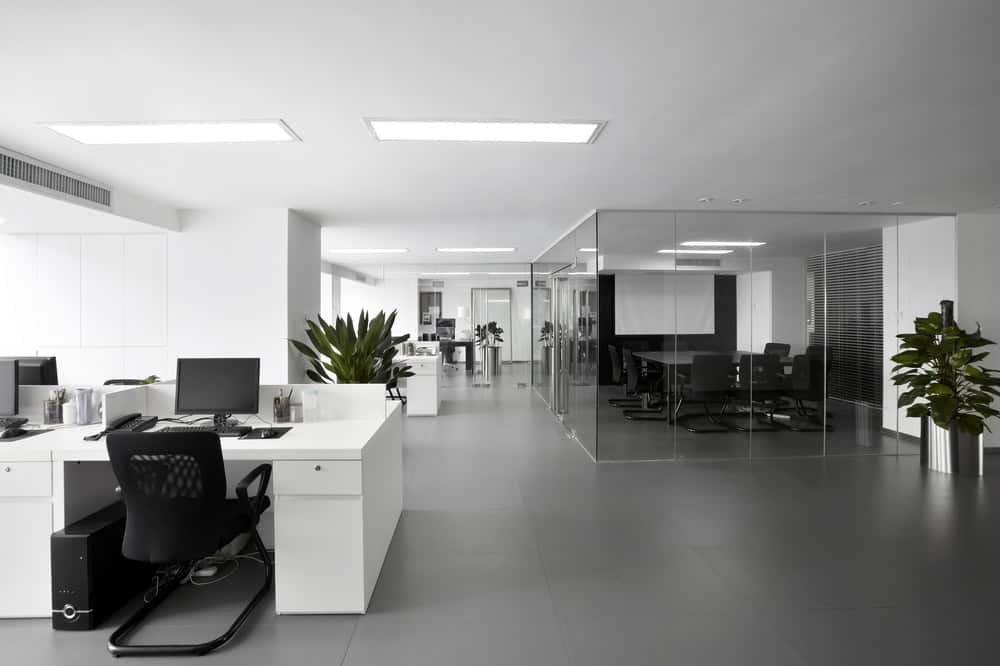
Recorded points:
423,389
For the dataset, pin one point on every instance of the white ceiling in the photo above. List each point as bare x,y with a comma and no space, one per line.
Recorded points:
796,104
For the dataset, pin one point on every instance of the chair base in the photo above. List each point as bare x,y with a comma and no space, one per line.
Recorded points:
718,421
119,649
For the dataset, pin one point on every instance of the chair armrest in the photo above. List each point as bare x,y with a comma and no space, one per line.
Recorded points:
263,473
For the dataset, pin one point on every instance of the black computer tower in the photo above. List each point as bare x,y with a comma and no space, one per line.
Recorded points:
90,576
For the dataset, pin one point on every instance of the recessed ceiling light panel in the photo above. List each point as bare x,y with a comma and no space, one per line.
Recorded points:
446,273
587,249
723,243
484,131
476,249
670,251
137,133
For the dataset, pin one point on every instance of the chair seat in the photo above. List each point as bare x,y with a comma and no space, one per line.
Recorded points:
235,520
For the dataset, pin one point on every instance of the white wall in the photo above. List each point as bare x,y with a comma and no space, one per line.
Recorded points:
392,293
96,302
919,271
304,270
231,273
754,311
978,279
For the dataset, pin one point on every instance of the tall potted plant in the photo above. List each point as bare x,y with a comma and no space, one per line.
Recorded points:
948,388
488,338
362,355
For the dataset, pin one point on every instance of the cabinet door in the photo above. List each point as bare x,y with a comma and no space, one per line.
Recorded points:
146,290
24,569
102,315
319,559
58,281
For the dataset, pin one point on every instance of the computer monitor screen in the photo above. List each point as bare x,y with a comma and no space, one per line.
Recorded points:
8,388
36,370
218,386
446,329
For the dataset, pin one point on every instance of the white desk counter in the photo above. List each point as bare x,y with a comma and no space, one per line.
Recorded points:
337,488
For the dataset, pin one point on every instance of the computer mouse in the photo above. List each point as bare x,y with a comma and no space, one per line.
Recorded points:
11,433
268,434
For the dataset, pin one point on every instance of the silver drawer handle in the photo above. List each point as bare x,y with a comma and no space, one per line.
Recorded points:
317,468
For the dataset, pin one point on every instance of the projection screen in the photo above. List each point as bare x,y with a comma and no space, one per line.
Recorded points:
644,304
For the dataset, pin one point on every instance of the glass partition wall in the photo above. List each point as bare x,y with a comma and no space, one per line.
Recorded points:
687,335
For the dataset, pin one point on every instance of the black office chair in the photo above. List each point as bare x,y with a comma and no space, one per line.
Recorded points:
124,382
778,349
639,381
708,381
618,378
806,385
176,514
761,384
393,385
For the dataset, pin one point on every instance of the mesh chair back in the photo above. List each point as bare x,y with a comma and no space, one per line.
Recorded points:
777,349
762,371
807,377
174,488
616,364
631,371
711,373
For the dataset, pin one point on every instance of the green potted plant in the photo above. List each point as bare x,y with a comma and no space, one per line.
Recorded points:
362,355
948,388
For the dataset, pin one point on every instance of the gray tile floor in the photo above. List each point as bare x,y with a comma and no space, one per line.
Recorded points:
515,549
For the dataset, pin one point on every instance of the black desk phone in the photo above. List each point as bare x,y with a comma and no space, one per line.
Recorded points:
134,422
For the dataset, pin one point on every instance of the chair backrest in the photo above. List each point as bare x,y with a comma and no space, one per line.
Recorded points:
807,377
762,371
124,382
174,488
711,372
777,348
616,364
631,370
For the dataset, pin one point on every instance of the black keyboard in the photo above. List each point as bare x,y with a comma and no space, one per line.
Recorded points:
232,431
11,422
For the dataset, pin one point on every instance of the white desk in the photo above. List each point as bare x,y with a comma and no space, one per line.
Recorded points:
337,493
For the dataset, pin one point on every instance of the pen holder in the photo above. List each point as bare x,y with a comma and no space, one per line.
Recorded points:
281,410
51,412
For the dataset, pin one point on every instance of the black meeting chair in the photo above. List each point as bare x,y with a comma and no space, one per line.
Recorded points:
709,381
805,385
639,381
618,379
778,349
176,514
761,386
393,385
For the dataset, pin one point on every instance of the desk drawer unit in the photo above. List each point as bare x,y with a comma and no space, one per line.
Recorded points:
25,479
319,477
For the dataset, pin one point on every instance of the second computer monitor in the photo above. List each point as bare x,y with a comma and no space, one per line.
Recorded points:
36,370
218,386
8,387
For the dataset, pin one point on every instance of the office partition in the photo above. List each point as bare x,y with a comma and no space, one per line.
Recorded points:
680,335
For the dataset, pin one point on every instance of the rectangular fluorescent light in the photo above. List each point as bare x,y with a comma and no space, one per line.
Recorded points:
509,273
695,251
389,250
474,130
447,273
587,249
134,133
722,243
476,249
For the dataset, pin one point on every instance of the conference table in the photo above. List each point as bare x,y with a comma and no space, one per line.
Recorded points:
678,358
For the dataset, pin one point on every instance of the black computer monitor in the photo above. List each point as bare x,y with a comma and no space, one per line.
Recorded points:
446,329
36,370
218,386
8,387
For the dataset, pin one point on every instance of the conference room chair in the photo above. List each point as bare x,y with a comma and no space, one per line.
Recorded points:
709,381
761,386
393,385
176,515
806,385
640,380
777,349
618,378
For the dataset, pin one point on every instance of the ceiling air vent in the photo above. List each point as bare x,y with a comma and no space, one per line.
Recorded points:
29,174
700,263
